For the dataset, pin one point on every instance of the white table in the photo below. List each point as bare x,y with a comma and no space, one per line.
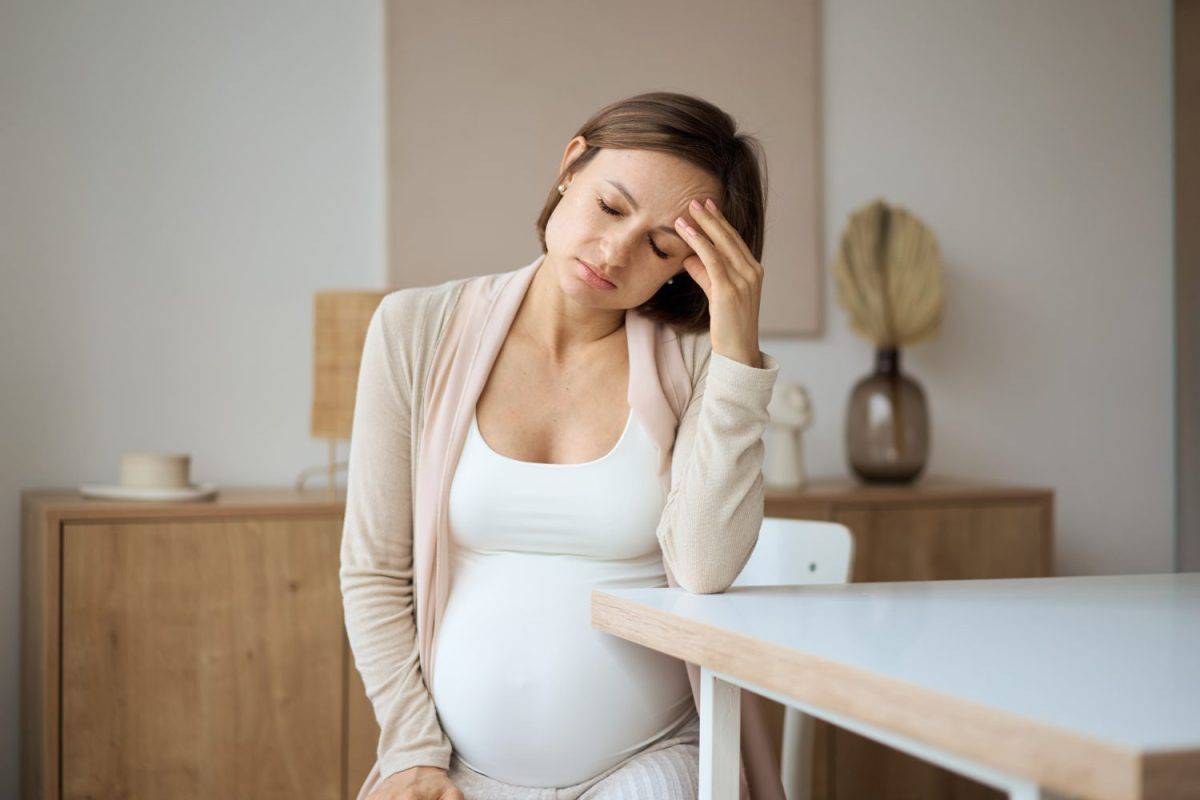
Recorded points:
1084,686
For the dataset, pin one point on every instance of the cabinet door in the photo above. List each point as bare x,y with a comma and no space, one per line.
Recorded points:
202,659
947,541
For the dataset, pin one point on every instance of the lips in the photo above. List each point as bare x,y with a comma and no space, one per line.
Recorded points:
597,272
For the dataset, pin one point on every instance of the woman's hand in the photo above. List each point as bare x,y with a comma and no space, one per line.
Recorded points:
730,277
417,783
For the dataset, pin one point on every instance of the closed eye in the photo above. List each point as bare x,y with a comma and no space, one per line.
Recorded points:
609,210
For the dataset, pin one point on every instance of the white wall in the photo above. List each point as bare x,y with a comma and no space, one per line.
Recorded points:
1035,139
176,180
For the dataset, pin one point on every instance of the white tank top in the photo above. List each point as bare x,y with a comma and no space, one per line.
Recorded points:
526,690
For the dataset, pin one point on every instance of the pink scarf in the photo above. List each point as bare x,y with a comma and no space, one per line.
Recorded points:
659,390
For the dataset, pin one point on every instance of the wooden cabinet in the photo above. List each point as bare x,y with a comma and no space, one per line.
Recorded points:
188,650
197,649
936,529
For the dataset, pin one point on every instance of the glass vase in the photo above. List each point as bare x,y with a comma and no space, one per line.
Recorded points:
887,423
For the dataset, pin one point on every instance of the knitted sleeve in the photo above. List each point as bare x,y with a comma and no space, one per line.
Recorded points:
376,550
714,508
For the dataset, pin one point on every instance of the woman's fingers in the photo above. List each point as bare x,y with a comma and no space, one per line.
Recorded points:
695,268
716,214
707,253
729,242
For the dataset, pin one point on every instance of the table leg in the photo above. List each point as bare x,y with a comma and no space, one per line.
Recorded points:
720,737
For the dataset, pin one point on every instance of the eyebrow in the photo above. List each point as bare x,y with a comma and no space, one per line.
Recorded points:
664,228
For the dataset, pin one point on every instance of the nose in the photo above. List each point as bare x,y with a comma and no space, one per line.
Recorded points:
617,247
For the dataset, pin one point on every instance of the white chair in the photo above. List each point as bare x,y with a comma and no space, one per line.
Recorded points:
790,552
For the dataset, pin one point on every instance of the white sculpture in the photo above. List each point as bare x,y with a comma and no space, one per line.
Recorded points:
791,415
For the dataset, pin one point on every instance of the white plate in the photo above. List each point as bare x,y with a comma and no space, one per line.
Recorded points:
117,492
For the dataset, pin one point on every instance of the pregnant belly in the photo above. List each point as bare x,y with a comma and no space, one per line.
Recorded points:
526,690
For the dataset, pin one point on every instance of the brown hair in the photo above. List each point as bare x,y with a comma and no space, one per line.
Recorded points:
696,131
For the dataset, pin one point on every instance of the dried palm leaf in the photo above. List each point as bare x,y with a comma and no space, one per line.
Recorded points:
889,276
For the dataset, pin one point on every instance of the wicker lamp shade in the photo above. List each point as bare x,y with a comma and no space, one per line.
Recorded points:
340,319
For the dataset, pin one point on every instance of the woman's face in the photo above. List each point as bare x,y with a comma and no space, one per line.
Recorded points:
618,216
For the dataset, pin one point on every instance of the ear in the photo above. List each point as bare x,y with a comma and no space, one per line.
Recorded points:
575,148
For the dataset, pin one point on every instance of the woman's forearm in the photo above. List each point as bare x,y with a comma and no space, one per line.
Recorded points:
714,509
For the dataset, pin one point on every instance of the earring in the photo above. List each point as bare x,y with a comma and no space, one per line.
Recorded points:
670,280
562,188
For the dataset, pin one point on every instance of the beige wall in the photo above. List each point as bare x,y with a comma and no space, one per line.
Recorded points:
178,180
1035,139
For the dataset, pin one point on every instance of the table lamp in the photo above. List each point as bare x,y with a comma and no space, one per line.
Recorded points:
340,319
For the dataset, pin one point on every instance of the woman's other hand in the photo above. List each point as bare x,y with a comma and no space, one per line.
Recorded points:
417,783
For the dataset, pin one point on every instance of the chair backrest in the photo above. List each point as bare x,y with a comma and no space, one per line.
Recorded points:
795,551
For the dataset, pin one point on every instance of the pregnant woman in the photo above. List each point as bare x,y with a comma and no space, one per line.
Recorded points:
593,419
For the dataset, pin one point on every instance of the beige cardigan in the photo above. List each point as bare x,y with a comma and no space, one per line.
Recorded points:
422,363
